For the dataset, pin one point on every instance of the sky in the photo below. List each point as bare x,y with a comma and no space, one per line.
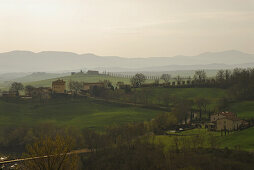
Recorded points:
127,28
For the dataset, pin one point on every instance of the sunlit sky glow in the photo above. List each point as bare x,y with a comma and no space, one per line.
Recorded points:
127,28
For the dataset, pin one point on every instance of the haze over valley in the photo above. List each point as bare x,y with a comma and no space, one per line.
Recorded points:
52,61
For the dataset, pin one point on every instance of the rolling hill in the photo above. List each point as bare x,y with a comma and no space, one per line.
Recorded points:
52,61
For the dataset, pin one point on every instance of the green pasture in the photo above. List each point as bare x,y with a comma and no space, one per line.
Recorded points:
244,109
211,94
243,140
79,77
81,113
83,77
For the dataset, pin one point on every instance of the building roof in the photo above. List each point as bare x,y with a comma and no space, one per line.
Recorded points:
58,82
228,115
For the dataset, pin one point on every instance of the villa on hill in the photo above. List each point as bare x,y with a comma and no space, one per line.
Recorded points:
59,87
225,121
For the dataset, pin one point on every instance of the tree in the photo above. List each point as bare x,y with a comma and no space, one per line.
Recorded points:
200,76
55,152
138,80
29,89
201,104
166,77
108,84
16,86
76,86
181,109
156,82
163,122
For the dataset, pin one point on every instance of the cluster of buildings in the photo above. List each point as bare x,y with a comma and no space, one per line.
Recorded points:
225,121
58,87
89,72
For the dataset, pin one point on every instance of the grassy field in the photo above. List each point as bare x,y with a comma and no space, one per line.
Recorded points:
243,109
242,139
79,113
211,94
84,78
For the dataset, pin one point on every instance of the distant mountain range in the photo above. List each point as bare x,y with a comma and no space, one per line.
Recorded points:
52,61
28,77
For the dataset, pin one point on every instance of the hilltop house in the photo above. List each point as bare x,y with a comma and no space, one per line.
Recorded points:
225,121
92,72
58,87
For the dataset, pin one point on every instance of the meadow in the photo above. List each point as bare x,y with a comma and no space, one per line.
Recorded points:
79,113
243,140
80,77
211,94
243,109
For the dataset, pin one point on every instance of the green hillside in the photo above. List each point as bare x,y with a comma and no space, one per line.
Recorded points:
243,109
243,139
79,77
79,113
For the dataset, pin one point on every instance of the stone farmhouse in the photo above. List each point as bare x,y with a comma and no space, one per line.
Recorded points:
40,91
225,121
59,87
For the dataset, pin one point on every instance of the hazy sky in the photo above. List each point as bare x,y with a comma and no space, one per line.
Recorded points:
127,28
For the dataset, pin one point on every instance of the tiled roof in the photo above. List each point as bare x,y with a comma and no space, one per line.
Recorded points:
229,115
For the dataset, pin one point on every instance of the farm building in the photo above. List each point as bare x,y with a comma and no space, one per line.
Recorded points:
225,121
59,87
228,123
40,91
92,72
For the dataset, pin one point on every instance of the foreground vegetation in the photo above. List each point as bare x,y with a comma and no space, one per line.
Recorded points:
133,146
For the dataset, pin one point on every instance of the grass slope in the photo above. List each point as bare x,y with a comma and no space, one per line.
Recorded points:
244,139
212,94
77,113
79,77
243,109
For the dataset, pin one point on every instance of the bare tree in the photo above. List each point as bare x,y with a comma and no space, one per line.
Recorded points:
29,89
54,152
181,109
75,86
201,104
138,80
200,76
16,86
166,77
